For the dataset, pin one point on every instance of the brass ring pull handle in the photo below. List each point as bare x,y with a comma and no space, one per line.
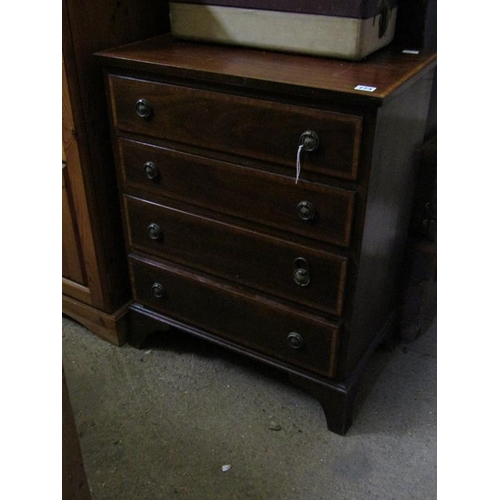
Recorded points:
143,108
154,231
301,277
306,211
301,274
158,291
295,341
309,141
151,170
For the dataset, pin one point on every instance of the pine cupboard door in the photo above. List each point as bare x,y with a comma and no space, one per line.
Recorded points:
79,264
83,294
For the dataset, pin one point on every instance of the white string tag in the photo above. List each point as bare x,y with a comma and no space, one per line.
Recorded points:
298,163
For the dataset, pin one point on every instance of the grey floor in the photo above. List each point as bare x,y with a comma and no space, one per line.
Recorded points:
160,423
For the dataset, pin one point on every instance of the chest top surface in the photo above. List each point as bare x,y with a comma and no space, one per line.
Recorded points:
385,71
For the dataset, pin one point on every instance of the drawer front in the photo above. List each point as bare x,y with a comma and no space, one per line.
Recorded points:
227,312
265,198
253,128
272,265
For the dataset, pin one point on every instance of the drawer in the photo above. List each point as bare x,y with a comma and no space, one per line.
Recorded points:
284,333
311,277
248,127
307,209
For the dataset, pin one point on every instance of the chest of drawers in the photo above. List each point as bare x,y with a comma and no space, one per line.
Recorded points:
266,200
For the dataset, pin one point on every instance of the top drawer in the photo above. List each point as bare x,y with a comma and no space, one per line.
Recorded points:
254,128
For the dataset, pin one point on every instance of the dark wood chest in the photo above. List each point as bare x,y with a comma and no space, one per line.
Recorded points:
266,200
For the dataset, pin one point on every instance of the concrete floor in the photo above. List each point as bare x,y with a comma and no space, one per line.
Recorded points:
160,423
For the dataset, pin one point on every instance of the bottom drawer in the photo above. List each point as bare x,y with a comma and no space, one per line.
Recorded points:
263,325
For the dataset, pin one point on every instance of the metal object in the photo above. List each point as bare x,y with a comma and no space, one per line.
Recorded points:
151,170
301,277
154,231
143,108
306,211
295,341
158,291
310,141
301,274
